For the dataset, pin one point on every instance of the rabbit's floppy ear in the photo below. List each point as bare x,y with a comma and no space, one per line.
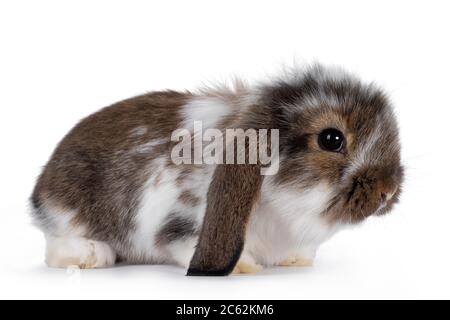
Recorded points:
232,195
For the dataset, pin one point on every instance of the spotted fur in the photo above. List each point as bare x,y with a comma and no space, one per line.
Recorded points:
111,190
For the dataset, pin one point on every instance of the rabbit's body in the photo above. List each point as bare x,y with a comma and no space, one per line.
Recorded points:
111,190
111,180
152,211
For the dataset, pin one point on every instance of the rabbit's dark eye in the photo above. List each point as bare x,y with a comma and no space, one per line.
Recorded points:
331,140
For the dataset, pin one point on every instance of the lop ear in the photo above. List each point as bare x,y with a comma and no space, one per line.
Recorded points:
231,198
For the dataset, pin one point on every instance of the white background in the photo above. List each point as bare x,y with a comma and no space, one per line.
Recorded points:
62,60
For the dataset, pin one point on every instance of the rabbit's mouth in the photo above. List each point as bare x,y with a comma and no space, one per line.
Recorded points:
389,204
357,210
369,193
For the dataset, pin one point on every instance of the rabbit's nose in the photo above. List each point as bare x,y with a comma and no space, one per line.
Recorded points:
387,194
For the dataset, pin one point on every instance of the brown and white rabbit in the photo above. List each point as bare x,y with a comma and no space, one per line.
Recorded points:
112,192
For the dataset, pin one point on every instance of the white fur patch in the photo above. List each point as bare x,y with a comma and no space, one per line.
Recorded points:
160,198
159,195
365,153
63,252
138,131
58,221
288,223
147,147
321,100
181,251
208,110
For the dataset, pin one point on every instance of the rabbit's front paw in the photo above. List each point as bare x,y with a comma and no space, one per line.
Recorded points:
245,267
297,262
247,264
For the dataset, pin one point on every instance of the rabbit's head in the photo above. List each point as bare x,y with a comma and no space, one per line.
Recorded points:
340,132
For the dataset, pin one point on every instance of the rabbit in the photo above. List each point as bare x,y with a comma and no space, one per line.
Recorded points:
111,191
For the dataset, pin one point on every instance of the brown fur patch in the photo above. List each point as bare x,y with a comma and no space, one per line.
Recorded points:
175,228
188,198
94,171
